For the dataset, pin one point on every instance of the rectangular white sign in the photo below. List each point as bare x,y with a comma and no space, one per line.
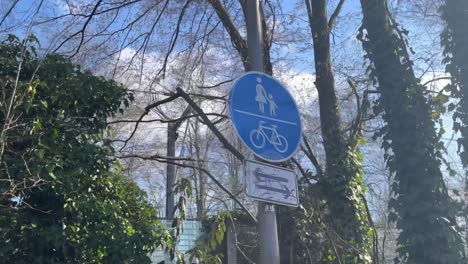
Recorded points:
270,183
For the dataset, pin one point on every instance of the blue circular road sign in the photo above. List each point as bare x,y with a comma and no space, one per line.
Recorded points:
265,116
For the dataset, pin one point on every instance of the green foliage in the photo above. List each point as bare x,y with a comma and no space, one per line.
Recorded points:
209,246
344,196
69,203
331,225
184,189
420,204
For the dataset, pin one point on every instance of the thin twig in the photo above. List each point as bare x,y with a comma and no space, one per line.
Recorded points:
311,156
215,85
9,11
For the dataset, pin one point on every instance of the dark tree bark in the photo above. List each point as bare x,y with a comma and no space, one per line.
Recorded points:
239,43
201,192
170,168
422,207
455,43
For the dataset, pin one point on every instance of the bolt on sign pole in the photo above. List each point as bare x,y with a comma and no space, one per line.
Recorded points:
268,233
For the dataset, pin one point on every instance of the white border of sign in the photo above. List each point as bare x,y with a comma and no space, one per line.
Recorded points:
235,128
268,200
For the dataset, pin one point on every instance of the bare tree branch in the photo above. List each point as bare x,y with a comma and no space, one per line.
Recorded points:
185,165
174,38
301,169
375,238
8,12
356,127
147,109
213,128
161,120
155,157
215,85
81,31
435,80
310,154
332,21
237,41
209,97
362,106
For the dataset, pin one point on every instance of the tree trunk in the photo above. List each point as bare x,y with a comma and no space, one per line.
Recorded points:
342,184
170,168
455,43
424,211
201,178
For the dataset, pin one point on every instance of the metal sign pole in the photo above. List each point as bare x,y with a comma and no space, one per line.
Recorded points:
268,234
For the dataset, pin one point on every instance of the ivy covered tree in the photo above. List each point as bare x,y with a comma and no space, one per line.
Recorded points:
421,205
63,199
341,182
455,42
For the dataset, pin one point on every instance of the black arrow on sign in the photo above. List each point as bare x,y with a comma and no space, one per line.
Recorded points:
258,173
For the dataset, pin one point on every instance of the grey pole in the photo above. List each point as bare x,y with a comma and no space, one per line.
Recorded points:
267,228
254,35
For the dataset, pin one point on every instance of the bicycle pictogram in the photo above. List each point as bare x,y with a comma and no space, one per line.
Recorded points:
264,133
